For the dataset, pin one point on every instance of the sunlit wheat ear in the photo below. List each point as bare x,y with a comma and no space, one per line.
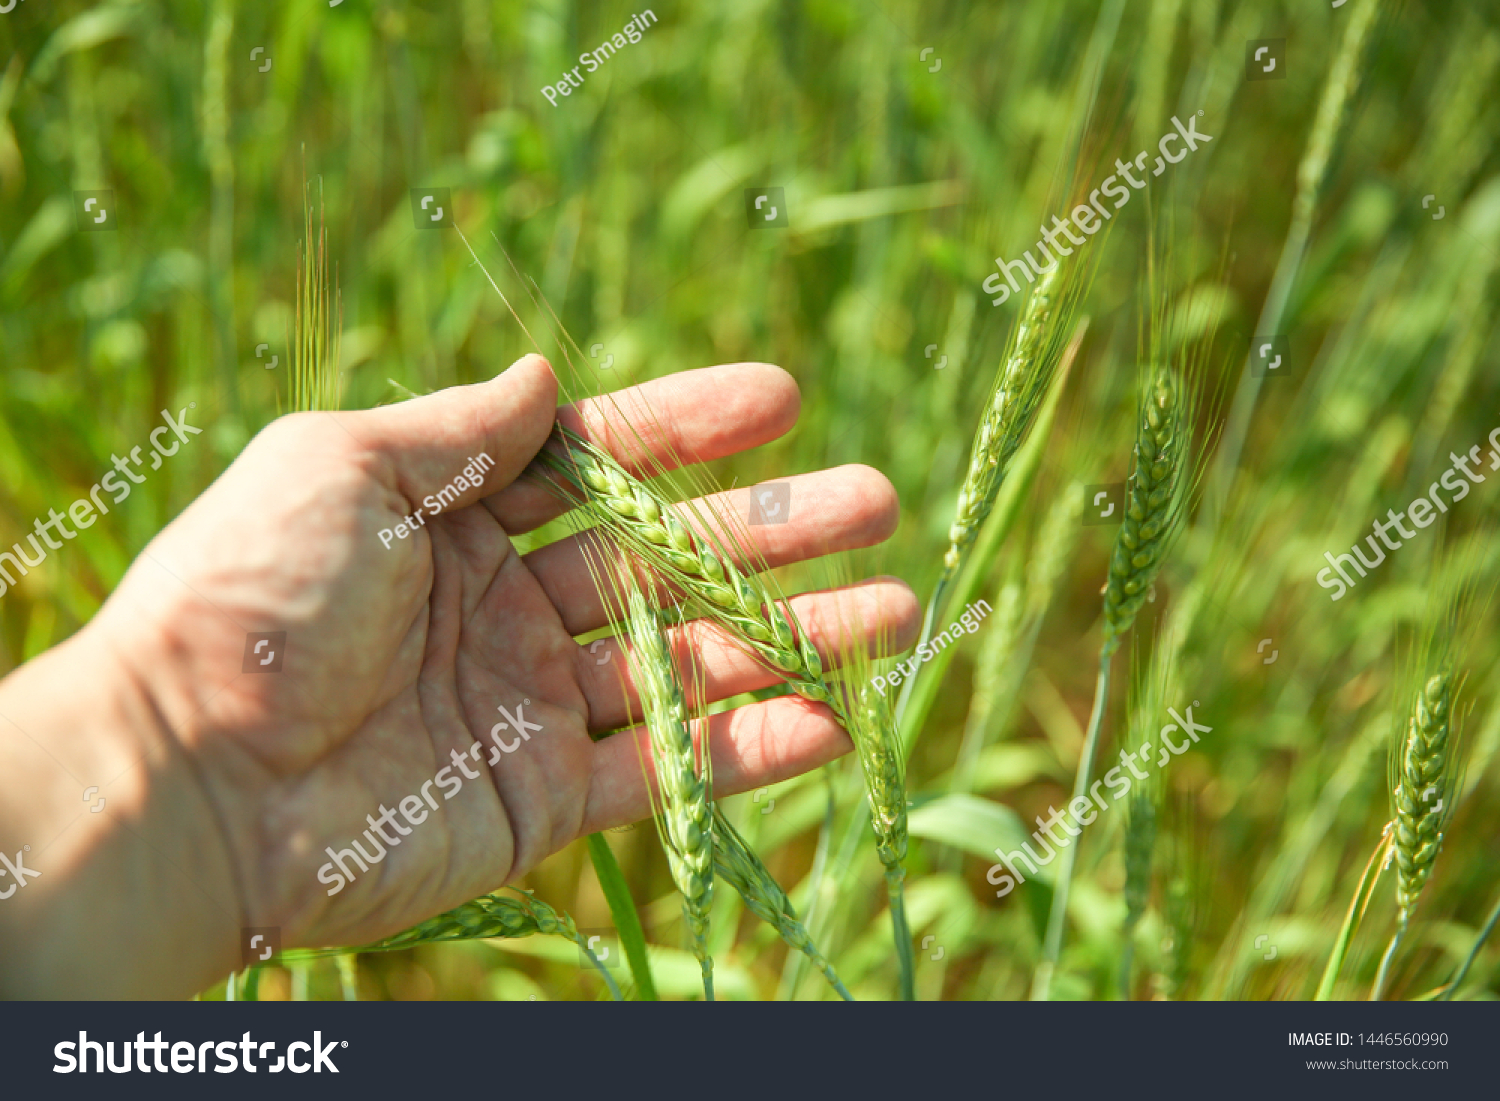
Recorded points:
1033,353
1423,767
871,726
684,813
1424,789
317,383
738,866
650,529
1153,503
1427,750
874,736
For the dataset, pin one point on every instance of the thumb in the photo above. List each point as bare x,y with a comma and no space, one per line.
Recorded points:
430,440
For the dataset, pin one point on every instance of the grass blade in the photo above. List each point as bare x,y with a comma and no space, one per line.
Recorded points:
1357,905
622,909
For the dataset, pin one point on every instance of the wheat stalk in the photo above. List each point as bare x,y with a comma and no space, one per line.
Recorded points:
737,864
1003,657
1149,694
1343,80
685,823
1155,494
1140,839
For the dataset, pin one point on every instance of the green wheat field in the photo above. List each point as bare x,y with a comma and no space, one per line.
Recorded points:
1344,209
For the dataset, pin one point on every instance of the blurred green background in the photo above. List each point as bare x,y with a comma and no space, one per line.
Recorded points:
905,174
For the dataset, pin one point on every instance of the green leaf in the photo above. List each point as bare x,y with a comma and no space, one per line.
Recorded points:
1373,868
974,825
622,909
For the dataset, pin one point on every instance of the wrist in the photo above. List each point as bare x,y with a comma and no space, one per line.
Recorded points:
131,893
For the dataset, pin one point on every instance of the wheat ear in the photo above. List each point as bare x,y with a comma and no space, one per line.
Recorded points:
1019,386
1153,506
686,821
737,865
1033,353
492,915
647,526
873,731
1422,788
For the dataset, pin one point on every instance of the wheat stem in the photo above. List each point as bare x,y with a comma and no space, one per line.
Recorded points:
1343,79
901,934
1356,912
1057,917
1385,962
1140,836
1463,970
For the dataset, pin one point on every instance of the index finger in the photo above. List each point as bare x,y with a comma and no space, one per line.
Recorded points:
689,417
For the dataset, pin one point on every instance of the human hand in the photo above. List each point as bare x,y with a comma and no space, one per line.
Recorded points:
400,654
